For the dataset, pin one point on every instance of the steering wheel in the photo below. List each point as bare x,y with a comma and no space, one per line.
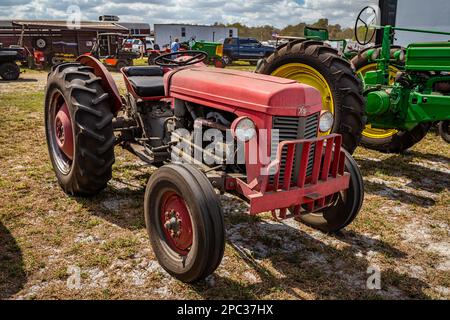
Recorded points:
181,58
367,19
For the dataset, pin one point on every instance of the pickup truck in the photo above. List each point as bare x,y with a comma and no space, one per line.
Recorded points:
246,49
9,70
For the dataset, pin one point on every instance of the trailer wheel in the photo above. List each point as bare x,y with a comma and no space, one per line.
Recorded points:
79,129
121,64
40,43
9,71
444,130
320,66
184,222
151,58
227,60
346,206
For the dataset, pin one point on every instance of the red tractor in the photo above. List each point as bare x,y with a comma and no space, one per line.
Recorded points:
281,163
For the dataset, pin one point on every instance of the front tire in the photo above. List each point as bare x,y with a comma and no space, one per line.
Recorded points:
320,66
9,71
184,222
346,207
227,60
79,129
444,130
121,64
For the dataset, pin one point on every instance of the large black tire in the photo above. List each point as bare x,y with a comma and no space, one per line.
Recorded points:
90,113
151,58
398,141
227,59
208,239
444,130
9,71
346,89
121,64
347,205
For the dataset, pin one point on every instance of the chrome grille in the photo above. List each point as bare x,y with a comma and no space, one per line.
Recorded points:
294,128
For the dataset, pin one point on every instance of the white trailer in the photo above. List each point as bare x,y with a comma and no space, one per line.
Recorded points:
416,14
166,33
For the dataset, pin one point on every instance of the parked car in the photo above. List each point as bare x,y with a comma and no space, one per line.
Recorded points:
246,49
9,70
135,45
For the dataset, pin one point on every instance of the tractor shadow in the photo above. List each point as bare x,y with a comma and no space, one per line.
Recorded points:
281,257
12,273
424,180
306,265
20,80
429,156
122,203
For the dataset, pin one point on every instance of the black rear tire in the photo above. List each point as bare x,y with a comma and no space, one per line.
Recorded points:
9,71
93,156
227,60
347,206
400,141
346,89
121,64
208,240
444,130
151,58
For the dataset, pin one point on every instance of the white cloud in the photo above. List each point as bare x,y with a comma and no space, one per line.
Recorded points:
250,12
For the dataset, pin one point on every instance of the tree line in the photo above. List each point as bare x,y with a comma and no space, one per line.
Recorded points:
265,32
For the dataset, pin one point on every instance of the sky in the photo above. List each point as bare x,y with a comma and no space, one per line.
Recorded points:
278,13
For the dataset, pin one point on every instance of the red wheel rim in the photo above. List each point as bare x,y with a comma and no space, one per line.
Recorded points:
176,223
63,131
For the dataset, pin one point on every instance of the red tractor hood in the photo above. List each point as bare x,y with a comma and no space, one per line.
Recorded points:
234,89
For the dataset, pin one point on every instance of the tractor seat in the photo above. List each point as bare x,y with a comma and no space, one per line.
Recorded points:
147,81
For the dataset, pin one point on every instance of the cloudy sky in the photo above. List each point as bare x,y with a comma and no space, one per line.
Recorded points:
251,12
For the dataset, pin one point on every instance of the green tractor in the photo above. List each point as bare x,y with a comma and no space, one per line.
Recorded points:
213,49
404,90
322,34
312,61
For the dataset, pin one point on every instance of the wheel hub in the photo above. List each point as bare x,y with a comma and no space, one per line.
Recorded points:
176,222
173,223
63,131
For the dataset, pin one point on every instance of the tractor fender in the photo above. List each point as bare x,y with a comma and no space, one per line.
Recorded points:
107,83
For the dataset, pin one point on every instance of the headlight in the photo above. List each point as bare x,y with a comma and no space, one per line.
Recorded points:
326,121
243,129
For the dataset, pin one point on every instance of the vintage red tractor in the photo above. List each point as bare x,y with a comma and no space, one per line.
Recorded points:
273,155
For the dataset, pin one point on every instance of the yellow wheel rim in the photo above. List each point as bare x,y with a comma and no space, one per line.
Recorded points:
370,132
305,74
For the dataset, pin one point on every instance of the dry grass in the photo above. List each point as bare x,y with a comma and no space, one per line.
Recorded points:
403,229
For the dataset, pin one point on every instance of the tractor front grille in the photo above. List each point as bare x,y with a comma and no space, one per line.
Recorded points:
294,128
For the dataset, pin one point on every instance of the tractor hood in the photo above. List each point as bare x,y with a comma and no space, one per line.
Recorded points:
234,90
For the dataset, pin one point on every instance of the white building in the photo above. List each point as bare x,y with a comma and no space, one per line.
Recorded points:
166,33
419,14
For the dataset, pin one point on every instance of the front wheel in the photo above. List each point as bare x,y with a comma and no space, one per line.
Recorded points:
227,60
184,222
151,58
444,130
9,71
346,206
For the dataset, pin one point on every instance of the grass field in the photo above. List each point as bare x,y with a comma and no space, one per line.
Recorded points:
403,229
